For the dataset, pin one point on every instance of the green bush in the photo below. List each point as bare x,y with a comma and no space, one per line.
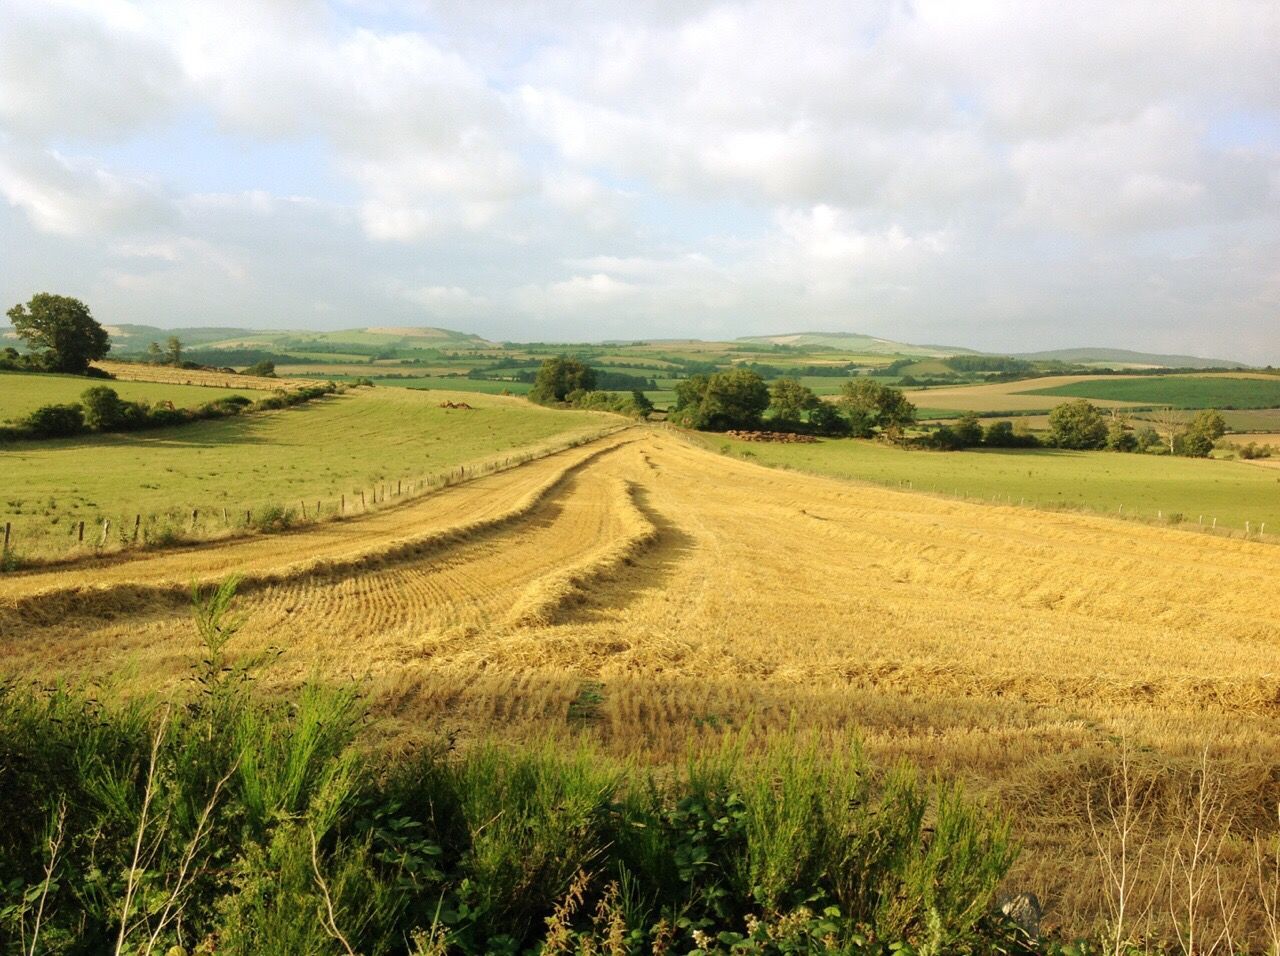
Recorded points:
55,421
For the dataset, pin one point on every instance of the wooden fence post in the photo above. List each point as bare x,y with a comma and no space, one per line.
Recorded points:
195,516
6,537
81,540
343,505
303,504
137,526
106,526
362,505
397,487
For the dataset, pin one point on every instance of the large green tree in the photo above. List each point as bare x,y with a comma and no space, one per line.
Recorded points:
1077,425
872,405
1198,438
559,376
61,330
724,400
789,400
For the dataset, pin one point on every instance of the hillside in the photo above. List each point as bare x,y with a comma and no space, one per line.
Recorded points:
856,342
1126,357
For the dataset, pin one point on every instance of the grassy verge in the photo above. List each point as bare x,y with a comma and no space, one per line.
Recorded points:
1105,482
280,463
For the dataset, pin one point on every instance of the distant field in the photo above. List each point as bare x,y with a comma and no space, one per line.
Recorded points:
1180,391
21,393
1237,419
317,451
1232,492
143,372
1027,395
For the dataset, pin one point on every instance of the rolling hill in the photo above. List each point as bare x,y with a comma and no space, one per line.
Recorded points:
856,342
1126,357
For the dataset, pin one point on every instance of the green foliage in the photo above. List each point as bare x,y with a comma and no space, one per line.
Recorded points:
1004,434
262,369
789,400
55,421
989,363
1077,425
723,400
558,377
968,430
1120,437
61,330
634,405
825,419
1197,439
872,406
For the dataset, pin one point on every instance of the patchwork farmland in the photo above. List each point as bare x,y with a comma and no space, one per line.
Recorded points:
1008,648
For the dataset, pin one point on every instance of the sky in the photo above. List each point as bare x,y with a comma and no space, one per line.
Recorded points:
1008,176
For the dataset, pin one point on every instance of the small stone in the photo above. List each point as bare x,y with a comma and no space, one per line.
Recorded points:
1024,909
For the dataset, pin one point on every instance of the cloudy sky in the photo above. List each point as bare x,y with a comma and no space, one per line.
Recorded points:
1003,175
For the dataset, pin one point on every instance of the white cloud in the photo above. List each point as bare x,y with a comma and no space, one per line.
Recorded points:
74,198
1002,173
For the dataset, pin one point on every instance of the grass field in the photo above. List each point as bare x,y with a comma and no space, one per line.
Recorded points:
1140,486
1026,395
1180,391
661,592
21,392
319,451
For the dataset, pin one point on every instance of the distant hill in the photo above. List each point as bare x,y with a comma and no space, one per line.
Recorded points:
855,342
377,336
1126,357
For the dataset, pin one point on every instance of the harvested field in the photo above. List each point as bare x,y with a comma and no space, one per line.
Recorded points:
139,372
692,591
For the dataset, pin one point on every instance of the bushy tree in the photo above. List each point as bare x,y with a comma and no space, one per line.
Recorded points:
559,376
1197,439
968,430
61,330
825,419
263,369
56,421
733,399
1146,438
872,405
1077,425
1119,437
173,351
789,400
1004,434
102,407
689,392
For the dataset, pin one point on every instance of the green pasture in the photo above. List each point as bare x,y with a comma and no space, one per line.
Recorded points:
1180,391
320,450
23,392
1144,485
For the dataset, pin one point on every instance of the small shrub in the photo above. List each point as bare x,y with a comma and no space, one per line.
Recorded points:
55,421
273,518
